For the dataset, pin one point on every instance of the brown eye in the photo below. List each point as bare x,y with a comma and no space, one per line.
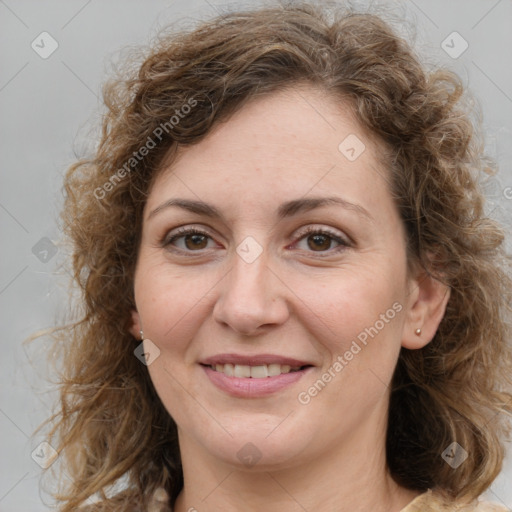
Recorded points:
195,241
321,241
190,240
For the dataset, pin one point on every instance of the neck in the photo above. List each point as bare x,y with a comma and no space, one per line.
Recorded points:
351,477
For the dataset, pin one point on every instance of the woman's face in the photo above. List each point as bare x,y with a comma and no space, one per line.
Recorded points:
279,281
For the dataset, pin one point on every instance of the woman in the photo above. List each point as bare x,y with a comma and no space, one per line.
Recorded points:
292,298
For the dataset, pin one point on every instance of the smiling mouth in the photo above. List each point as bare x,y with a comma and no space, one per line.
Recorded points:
255,372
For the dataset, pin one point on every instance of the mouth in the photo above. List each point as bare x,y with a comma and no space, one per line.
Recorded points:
255,376
261,371
258,366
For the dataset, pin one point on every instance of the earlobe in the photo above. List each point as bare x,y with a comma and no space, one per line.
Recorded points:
429,299
135,326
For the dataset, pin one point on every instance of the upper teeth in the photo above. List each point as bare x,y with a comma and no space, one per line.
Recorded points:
256,372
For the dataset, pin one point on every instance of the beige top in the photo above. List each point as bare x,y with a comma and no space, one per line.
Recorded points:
426,502
430,502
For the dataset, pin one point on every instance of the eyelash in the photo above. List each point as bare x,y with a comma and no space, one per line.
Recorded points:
344,244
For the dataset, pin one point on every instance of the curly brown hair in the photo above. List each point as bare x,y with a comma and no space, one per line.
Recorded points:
110,422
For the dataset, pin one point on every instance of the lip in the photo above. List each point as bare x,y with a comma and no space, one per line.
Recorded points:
250,387
253,360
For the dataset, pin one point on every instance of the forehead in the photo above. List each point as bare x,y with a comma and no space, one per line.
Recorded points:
289,143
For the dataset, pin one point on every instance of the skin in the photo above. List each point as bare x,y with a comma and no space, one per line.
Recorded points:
328,454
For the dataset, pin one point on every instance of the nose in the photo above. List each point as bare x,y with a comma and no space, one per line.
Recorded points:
251,297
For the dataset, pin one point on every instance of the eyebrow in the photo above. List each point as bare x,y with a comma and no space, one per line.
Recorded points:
285,210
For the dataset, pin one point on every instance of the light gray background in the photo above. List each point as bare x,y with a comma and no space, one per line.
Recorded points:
49,108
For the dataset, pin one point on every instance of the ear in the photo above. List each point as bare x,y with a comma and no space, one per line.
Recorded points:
428,298
135,326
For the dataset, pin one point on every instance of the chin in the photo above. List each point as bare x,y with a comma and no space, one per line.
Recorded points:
250,447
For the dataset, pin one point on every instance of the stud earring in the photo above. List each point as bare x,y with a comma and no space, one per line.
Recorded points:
417,332
141,335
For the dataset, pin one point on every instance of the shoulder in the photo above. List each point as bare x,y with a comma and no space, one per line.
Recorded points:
431,502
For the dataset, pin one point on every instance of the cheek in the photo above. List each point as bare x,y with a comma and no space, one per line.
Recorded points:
344,306
170,300
171,305
357,323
